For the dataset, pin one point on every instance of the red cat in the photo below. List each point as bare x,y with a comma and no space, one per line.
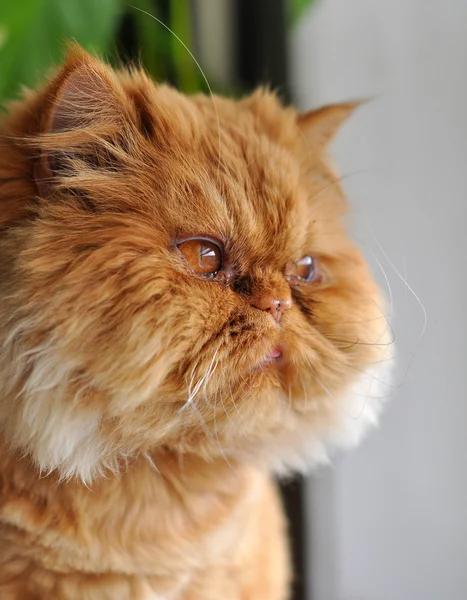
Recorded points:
182,315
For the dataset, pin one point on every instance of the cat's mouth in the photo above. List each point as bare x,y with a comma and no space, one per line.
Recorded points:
275,354
273,358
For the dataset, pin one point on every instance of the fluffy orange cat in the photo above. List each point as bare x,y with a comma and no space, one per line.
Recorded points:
182,316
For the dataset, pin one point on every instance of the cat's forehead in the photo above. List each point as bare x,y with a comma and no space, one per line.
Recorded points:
242,182
265,197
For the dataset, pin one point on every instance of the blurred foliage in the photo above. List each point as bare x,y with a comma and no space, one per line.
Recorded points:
298,7
32,35
33,32
165,40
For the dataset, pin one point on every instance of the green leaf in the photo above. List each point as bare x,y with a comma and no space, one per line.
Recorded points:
153,39
165,45
189,78
297,8
33,34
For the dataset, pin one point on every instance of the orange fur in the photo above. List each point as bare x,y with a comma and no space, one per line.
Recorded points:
139,421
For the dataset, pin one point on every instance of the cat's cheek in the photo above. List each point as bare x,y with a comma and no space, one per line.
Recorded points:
353,414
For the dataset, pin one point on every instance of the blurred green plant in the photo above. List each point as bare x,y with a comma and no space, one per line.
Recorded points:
33,32
297,8
165,42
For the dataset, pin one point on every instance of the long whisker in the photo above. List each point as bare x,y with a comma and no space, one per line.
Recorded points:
148,457
335,337
209,374
331,395
192,393
390,385
227,414
205,428
404,281
200,70
391,300
232,399
319,322
191,401
337,181
216,431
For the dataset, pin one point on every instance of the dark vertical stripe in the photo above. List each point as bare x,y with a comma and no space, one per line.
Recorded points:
293,495
262,44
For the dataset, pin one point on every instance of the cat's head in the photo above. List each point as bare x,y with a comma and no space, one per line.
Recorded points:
175,274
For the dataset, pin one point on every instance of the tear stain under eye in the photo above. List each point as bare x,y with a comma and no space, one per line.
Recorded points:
306,310
304,304
243,286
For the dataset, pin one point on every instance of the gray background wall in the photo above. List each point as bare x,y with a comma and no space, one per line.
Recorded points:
389,521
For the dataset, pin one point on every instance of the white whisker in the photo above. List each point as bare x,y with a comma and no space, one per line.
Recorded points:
404,281
148,457
200,70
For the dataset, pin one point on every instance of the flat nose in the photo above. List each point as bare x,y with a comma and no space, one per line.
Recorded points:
274,306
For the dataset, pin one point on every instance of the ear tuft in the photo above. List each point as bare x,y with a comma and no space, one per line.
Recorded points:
84,98
321,125
83,91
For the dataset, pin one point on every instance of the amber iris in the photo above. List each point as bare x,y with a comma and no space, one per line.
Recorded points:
305,269
203,256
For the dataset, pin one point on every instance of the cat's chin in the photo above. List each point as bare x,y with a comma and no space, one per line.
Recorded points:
306,445
270,363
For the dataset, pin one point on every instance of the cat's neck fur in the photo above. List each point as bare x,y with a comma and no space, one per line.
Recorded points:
135,516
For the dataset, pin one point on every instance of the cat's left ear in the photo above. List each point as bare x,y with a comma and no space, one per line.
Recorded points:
320,126
84,103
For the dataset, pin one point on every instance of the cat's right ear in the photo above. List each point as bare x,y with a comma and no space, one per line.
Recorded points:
320,126
84,100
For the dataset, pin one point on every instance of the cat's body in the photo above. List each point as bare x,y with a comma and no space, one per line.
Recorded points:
182,315
193,532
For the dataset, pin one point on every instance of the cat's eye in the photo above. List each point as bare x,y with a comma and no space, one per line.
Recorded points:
306,269
203,256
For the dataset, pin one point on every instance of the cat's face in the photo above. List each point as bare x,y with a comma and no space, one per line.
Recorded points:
177,276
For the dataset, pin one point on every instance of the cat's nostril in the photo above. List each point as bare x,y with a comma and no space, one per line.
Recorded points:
274,306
